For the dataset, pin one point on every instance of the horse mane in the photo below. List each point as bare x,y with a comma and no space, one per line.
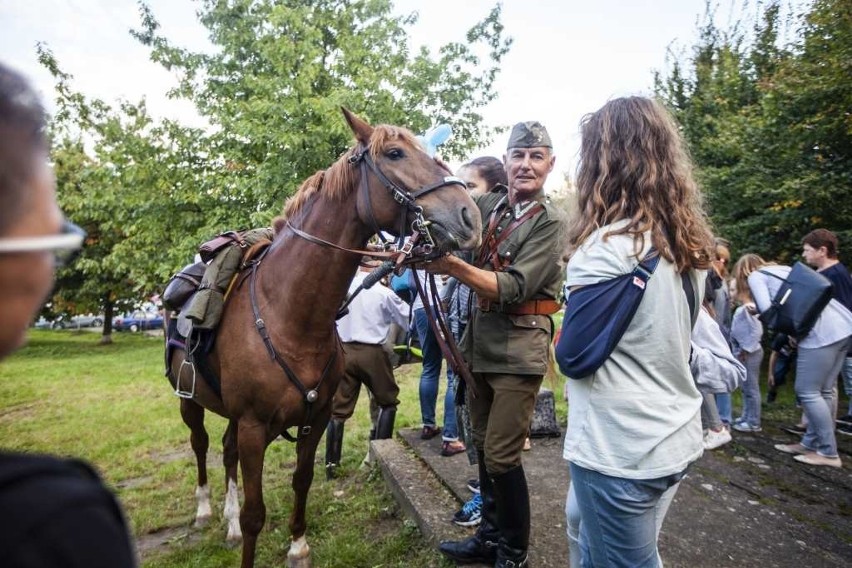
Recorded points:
341,177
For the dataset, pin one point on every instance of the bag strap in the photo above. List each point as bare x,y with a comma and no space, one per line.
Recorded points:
686,282
781,278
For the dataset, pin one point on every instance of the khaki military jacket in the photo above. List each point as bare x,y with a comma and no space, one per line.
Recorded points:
498,342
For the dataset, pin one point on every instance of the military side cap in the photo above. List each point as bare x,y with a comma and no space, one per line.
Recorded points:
530,134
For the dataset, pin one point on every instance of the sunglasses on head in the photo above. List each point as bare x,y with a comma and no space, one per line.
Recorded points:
64,245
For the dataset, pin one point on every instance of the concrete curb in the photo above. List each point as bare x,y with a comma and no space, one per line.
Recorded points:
419,492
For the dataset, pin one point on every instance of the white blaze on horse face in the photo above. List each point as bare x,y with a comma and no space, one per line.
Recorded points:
202,514
232,512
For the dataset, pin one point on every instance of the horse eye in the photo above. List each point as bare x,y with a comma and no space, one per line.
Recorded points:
395,154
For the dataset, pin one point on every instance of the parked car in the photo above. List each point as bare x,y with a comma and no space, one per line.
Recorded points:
43,323
87,320
137,321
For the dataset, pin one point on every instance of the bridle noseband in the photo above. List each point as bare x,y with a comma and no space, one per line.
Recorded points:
401,195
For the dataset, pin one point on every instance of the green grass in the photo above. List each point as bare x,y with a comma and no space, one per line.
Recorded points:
65,394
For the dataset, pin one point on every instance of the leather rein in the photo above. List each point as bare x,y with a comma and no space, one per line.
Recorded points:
394,259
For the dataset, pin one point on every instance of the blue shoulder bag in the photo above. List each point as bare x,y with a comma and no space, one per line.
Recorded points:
597,315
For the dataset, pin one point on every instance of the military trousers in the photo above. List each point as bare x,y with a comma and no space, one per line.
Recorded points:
500,416
368,365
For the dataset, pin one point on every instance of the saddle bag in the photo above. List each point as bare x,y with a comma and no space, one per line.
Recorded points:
182,286
799,302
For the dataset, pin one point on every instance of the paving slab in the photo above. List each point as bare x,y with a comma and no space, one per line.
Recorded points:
745,504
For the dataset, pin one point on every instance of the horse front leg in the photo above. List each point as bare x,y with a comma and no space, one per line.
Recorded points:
193,417
299,555
251,443
230,459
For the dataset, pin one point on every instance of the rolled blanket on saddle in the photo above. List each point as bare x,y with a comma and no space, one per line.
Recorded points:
224,256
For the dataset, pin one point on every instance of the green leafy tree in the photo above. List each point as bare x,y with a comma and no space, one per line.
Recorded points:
769,126
133,186
281,69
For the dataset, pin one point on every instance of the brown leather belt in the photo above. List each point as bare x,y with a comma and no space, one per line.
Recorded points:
528,308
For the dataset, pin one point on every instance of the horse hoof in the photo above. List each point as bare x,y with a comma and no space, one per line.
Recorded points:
299,555
298,562
201,522
233,541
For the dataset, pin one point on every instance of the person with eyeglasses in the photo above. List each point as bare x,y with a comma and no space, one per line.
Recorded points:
56,512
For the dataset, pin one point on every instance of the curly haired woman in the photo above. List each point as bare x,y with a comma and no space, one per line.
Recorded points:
634,425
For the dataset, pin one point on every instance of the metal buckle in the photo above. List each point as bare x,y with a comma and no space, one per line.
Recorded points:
305,431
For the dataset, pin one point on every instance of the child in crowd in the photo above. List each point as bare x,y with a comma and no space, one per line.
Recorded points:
746,332
714,368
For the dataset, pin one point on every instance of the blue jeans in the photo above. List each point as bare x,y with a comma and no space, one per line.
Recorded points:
620,519
847,380
816,377
751,388
430,377
726,411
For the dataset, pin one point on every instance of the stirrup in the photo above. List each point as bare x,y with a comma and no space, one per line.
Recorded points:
179,392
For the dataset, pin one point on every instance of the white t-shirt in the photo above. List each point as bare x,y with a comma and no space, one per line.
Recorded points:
638,415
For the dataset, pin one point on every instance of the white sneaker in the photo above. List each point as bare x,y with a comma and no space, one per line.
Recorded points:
713,439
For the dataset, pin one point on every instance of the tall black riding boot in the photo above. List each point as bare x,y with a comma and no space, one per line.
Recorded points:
513,517
481,548
333,447
384,424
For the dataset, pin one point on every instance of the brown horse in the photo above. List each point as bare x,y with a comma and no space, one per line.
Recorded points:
276,351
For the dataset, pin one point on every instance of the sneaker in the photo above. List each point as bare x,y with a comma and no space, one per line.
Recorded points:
817,459
452,448
714,439
746,427
796,430
845,429
470,514
795,449
845,419
473,485
429,432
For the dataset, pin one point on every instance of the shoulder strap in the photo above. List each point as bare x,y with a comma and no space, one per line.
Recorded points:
772,275
689,290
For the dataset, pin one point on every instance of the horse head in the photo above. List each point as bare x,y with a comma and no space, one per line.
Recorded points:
403,189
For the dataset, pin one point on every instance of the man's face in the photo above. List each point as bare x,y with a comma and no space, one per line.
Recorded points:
527,169
814,256
26,278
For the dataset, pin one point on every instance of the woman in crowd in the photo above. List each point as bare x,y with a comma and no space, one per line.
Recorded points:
821,354
634,425
722,308
746,333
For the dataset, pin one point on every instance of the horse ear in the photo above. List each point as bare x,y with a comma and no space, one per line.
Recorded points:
362,130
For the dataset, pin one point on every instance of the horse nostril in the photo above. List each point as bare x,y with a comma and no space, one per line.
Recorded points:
468,222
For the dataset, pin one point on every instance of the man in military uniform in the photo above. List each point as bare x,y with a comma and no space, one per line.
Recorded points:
516,276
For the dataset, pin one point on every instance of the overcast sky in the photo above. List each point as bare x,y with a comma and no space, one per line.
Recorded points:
568,58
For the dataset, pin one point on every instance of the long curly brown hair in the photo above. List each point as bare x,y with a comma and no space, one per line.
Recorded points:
634,165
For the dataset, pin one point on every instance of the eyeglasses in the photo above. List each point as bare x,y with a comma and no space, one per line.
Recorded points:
65,246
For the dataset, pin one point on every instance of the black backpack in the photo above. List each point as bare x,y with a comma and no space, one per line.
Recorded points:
803,296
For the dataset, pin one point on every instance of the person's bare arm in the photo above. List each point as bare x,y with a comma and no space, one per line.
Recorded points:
483,282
